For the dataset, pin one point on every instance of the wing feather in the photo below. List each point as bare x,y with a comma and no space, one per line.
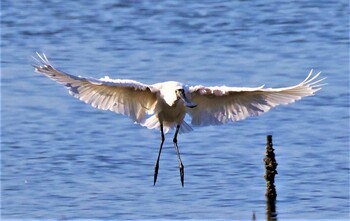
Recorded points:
219,105
127,97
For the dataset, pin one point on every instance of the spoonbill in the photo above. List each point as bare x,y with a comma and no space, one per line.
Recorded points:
164,105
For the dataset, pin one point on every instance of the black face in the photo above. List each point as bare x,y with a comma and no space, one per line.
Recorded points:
179,92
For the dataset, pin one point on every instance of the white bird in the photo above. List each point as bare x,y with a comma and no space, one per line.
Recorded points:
164,105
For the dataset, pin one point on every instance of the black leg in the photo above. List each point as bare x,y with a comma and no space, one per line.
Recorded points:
160,150
181,166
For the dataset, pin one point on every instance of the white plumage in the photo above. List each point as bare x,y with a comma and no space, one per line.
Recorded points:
164,105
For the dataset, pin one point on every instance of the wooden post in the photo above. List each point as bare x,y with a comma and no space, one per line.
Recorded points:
270,172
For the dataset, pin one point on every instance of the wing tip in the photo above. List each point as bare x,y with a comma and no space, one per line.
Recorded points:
312,82
41,59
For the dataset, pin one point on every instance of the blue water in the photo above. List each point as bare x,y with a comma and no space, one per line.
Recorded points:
62,159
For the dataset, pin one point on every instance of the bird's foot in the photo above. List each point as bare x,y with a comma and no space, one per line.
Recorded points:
182,174
156,167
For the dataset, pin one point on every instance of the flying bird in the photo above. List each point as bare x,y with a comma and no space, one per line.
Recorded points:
164,105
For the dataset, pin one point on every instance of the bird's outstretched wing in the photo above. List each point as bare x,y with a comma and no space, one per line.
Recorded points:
126,97
219,105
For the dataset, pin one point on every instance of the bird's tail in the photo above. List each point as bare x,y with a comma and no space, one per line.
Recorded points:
185,128
153,123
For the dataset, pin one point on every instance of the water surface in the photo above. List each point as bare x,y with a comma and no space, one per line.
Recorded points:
62,159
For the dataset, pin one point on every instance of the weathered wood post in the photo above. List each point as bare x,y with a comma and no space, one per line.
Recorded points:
270,172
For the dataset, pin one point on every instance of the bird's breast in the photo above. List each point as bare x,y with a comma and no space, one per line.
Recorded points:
173,113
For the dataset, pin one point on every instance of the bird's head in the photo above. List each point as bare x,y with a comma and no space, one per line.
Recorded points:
180,94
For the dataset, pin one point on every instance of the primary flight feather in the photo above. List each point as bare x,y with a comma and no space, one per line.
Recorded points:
164,105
